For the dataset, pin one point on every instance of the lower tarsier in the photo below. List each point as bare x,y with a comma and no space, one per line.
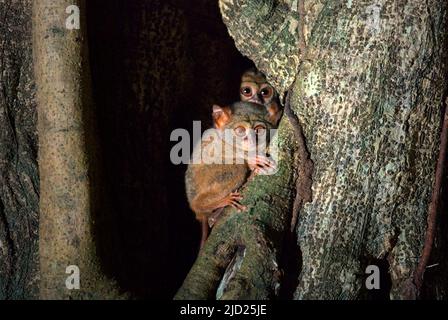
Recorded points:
210,186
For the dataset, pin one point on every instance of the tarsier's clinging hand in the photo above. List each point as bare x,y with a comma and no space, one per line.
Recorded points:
221,160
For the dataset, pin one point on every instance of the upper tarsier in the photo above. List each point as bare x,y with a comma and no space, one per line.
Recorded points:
224,159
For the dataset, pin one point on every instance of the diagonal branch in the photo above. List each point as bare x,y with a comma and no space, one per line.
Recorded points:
433,206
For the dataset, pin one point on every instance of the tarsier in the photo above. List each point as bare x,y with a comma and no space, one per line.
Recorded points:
211,186
255,88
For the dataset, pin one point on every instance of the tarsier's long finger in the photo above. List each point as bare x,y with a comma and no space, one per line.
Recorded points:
265,167
265,170
258,165
236,197
238,206
263,161
260,160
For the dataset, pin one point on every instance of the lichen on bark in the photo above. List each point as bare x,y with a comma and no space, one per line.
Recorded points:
371,117
266,33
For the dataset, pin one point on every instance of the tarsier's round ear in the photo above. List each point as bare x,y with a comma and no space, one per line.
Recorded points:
275,113
221,116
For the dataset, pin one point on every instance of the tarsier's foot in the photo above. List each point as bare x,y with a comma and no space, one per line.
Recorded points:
233,200
262,165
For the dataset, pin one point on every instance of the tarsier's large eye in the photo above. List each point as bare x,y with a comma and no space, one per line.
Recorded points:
260,130
246,91
266,92
240,131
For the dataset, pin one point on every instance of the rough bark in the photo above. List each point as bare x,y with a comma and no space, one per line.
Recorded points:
371,100
369,96
274,41
19,182
65,154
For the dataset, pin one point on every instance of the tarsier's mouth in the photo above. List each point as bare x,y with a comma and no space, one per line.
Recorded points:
255,100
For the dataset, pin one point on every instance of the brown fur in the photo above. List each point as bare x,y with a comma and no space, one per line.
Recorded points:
210,187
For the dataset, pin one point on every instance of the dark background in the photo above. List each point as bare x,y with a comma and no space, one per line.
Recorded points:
156,66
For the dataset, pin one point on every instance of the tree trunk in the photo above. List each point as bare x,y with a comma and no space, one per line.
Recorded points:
369,92
66,155
371,100
19,182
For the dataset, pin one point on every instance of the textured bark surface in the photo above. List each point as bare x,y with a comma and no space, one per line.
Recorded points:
273,44
371,101
369,96
65,154
19,182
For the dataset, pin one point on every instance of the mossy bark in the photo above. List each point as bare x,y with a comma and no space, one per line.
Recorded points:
64,118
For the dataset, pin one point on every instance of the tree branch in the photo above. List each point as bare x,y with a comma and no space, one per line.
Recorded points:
434,205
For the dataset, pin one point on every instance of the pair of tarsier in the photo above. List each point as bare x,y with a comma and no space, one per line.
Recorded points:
212,186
